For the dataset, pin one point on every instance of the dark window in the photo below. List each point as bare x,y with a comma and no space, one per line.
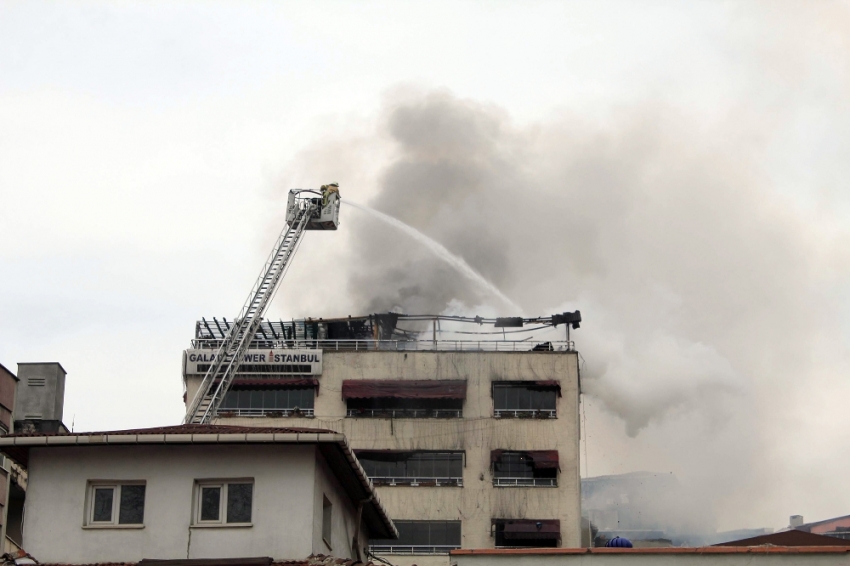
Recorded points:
239,496
268,400
518,400
420,537
527,533
327,520
210,503
405,468
103,504
132,508
521,470
392,407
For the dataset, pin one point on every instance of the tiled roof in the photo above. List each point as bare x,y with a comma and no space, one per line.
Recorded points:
313,560
189,429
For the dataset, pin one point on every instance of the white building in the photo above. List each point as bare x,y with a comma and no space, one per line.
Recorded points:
468,441
195,491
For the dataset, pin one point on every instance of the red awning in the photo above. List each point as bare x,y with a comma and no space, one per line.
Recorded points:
397,389
539,458
537,529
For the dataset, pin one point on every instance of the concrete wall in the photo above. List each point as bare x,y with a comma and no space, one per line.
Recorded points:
46,400
8,385
282,513
476,433
668,559
344,516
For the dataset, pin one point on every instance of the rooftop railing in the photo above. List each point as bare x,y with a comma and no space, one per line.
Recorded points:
400,345
413,549
525,414
405,413
224,412
417,482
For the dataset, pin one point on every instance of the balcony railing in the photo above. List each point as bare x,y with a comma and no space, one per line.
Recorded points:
418,482
525,482
308,413
525,414
405,413
399,345
413,549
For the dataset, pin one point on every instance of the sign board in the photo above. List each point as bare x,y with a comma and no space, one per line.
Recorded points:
260,362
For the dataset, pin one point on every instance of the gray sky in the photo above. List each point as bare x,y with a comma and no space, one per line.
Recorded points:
145,149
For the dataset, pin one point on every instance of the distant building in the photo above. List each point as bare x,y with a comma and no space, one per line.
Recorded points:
788,538
835,527
196,491
649,508
473,443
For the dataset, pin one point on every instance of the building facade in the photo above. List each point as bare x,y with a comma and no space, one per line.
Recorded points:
195,492
469,446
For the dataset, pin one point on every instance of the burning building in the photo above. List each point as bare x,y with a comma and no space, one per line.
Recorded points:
472,443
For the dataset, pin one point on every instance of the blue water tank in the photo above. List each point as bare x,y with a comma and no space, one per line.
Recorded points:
619,542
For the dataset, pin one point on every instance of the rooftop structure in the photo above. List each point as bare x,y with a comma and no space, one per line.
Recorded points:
398,332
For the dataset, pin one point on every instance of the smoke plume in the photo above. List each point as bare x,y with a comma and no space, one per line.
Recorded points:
711,333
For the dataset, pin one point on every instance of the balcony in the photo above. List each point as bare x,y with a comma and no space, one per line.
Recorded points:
405,413
417,482
525,482
525,414
272,413
413,549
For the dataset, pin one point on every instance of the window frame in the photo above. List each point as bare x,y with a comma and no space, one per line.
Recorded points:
502,388
223,497
115,513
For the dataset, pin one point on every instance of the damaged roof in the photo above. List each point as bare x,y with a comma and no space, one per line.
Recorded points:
332,445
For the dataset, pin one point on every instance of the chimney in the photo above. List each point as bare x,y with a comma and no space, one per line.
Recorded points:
40,398
796,521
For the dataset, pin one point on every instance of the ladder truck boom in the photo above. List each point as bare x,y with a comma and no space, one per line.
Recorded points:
302,213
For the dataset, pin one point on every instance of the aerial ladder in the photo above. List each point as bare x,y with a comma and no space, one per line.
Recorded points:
303,213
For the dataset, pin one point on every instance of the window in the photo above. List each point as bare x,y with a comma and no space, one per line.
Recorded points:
116,504
251,401
327,520
536,399
526,533
404,398
534,468
420,537
224,502
413,468
391,407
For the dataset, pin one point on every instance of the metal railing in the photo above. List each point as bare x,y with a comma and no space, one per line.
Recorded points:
397,345
405,413
266,413
413,549
525,482
525,413
417,482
